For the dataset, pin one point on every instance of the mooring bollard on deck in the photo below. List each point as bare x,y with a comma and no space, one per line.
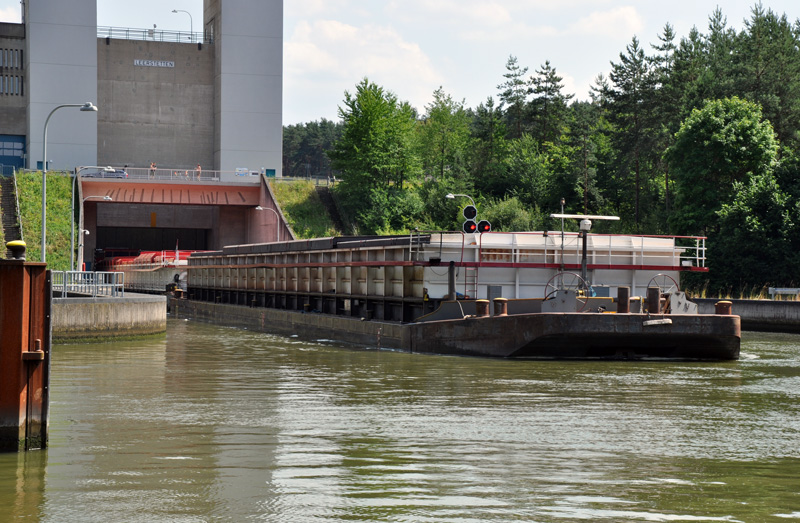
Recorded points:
723,307
24,351
501,307
623,300
481,308
654,300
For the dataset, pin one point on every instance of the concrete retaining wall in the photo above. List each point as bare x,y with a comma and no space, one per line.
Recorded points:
760,315
133,315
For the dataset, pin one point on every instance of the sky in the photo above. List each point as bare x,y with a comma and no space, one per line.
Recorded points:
413,47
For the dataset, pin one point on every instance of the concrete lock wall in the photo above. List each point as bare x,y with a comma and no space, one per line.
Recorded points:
157,103
82,318
248,37
14,102
61,68
762,315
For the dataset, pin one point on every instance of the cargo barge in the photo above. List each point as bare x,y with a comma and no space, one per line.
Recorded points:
148,272
547,294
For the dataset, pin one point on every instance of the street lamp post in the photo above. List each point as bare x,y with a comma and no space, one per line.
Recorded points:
81,233
80,222
72,212
191,24
80,225
585,227
88,106
451,196
277,219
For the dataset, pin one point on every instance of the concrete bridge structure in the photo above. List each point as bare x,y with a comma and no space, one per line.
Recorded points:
190,214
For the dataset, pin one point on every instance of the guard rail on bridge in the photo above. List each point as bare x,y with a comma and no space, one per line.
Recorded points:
88,284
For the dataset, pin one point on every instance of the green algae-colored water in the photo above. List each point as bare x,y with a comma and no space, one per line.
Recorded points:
219,424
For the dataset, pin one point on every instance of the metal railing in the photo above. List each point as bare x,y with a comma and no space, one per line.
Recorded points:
169,174
615,250
88,284
153,35
145,173
16,208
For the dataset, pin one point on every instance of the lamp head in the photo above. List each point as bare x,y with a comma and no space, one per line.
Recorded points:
174,10
89,106
450,196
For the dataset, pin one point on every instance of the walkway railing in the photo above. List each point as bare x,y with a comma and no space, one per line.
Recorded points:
88,284
153,35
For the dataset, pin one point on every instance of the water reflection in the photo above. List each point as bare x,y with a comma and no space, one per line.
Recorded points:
228,425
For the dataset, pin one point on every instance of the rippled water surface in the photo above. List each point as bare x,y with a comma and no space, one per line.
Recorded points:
219,424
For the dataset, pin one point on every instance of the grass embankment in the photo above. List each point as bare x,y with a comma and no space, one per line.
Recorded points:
29,186
2,233
303,209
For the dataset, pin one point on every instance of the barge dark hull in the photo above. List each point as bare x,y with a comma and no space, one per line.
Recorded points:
534,336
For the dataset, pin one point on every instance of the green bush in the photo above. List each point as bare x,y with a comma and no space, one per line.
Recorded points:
303,209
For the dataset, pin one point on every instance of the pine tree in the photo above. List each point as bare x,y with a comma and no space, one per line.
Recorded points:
514,94
549,105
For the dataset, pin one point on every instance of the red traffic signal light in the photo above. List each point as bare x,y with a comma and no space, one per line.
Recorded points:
470,226
470,212
484,226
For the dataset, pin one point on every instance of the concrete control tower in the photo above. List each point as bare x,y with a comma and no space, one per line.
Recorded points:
213,99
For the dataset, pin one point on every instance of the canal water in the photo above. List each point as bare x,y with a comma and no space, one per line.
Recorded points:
220,424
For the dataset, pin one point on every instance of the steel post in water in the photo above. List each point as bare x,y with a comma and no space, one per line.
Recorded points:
24,354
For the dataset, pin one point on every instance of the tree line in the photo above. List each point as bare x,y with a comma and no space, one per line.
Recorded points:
692,136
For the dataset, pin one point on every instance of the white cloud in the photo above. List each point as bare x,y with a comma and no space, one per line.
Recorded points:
310,8
323,58
451,12
518,20
624,20
10,14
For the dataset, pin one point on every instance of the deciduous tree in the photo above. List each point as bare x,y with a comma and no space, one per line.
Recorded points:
375,155
726,141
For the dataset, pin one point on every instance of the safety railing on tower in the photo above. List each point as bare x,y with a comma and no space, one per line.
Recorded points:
153,35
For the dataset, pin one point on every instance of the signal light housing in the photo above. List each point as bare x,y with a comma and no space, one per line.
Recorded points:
470,212
484,226
470,226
